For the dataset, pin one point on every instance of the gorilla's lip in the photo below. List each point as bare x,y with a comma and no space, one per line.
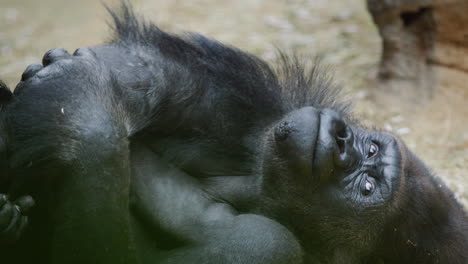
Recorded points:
316,139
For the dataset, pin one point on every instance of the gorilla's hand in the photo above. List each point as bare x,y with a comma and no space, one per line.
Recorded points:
13,219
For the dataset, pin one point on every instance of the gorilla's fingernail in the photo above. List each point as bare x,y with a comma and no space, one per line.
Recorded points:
25,203
81,52
3,199
54,55
30,71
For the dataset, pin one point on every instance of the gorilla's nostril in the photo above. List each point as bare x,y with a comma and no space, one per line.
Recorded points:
342,135
54,55
341,132
30,71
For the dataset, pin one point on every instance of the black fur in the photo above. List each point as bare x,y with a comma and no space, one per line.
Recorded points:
178,149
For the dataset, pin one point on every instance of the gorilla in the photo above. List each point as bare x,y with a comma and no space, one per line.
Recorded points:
158,148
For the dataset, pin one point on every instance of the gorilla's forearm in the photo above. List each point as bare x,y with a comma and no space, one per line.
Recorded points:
168,198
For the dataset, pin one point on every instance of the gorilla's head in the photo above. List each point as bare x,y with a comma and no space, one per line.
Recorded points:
340,185
321,147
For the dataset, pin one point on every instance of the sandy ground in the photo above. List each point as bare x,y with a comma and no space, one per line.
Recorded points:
340,32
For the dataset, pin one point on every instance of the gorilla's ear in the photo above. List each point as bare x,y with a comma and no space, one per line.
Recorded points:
5,93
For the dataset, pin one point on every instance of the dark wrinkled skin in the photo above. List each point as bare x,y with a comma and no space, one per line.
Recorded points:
160,149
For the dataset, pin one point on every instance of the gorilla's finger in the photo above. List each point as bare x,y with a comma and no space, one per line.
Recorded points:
25,203
3,199
6,214
22,224
14,232
18,229
15,215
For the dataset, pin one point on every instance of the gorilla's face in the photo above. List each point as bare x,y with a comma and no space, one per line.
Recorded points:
341,173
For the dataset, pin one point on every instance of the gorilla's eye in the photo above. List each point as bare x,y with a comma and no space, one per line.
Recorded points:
367,188
373,149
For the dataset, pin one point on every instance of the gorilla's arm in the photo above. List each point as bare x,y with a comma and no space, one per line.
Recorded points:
212,231
78,145
165,196
67,147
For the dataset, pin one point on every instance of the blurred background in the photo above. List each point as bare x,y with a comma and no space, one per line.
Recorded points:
340,32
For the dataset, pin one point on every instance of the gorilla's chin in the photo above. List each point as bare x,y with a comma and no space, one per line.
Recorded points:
296,138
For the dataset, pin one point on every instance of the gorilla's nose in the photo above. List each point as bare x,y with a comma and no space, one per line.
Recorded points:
337,138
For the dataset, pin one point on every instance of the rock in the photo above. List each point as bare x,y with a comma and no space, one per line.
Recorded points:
422,40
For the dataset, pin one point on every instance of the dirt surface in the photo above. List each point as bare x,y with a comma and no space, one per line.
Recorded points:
340,32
